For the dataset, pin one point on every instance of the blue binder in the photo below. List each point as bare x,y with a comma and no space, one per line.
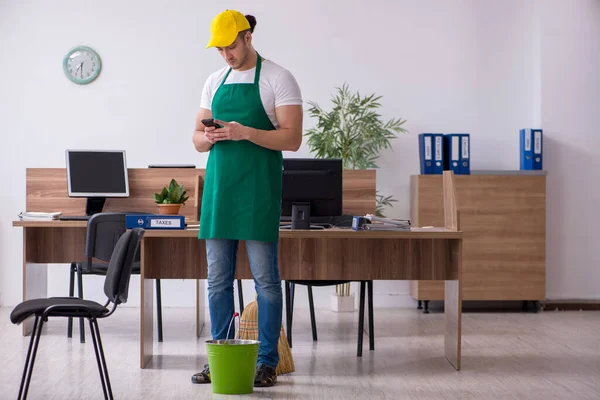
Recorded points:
452,152
531,149
465,154
154,221
431,153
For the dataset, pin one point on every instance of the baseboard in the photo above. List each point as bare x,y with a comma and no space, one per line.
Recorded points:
517,305
571,305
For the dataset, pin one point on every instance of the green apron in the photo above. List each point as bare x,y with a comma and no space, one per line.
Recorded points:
241,198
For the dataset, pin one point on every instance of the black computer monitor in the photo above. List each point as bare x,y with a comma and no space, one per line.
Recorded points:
96,175
311,187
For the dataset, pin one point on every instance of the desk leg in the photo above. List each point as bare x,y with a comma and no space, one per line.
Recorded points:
453,309
35,285
200,296
146,312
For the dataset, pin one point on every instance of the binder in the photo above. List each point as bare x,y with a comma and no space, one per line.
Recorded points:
154,221
452,152
431,153
531,149
465,154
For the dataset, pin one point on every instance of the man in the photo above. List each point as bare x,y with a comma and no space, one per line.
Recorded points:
258,105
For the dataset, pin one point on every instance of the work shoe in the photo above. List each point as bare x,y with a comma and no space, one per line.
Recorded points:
203,376
265,376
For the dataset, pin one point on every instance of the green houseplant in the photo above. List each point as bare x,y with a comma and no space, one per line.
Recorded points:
353,131
171,198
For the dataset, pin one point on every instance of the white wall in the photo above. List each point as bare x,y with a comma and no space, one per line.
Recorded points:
465,66
570,113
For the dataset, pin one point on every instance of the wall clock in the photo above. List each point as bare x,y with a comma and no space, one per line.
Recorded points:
82,65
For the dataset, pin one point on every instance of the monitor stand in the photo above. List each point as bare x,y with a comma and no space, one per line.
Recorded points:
94,205
301,217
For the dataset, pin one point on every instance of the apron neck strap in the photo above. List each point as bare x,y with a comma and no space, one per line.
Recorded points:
258,66
256,73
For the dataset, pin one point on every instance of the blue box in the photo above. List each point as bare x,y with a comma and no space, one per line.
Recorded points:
431,153
452,152
531,149
154,221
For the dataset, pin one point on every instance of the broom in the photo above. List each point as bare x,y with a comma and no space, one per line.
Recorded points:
249,331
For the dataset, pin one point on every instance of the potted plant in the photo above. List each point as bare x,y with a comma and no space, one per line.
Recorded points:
343,301
353,131
171,198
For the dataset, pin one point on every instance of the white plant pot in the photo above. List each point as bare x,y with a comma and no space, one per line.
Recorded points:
342,303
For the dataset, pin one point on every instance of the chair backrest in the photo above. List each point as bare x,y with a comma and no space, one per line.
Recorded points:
116,284
103,233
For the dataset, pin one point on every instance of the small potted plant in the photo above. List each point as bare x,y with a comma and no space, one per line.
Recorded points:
171,198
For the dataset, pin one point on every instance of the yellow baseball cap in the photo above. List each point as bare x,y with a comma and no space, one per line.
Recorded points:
225,27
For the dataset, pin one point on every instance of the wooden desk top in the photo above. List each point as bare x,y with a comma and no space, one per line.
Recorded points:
332,233
50,224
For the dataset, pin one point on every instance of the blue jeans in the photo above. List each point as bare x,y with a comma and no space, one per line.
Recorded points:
221,257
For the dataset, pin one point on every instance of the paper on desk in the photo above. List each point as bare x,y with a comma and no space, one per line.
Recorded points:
38,216
386,224
400,222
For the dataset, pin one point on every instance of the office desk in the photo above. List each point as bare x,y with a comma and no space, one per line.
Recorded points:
332,254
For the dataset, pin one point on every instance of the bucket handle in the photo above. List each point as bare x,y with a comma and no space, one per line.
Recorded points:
235,314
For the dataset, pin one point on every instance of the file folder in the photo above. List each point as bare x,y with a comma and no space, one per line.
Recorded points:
465,154
531,149
431,153
452,152
154,221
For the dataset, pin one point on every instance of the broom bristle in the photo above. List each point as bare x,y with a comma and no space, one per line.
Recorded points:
249,331
286,361
249,322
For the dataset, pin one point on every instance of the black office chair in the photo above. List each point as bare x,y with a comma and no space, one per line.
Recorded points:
103,232
116,288
290,289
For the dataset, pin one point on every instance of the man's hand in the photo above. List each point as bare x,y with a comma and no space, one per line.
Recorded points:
208,134
229,131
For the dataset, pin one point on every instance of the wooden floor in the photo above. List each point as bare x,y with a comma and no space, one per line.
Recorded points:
550,355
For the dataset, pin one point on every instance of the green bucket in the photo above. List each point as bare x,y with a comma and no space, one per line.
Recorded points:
232,365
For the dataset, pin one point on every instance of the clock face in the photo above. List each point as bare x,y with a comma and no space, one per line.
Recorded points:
81,65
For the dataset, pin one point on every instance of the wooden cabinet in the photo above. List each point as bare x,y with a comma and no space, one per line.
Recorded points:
503,218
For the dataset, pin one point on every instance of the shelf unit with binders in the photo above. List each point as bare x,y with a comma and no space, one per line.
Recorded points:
503,217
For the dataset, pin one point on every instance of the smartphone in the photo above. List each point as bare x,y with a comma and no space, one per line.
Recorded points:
210,122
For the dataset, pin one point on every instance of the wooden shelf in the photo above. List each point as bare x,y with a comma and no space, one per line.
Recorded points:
503,220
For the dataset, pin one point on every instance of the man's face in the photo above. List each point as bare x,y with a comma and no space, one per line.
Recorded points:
236,54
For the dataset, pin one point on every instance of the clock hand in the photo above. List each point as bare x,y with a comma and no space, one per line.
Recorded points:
80,65
81,71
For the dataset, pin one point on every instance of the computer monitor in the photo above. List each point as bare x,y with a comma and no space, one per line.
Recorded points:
96,175
311,187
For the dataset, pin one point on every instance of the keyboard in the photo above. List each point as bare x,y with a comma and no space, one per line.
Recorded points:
341,221
312,226
74,218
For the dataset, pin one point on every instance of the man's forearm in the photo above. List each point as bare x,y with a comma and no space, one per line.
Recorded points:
280,139
201,143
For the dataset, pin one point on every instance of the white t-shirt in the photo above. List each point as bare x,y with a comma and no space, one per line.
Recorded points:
277,87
